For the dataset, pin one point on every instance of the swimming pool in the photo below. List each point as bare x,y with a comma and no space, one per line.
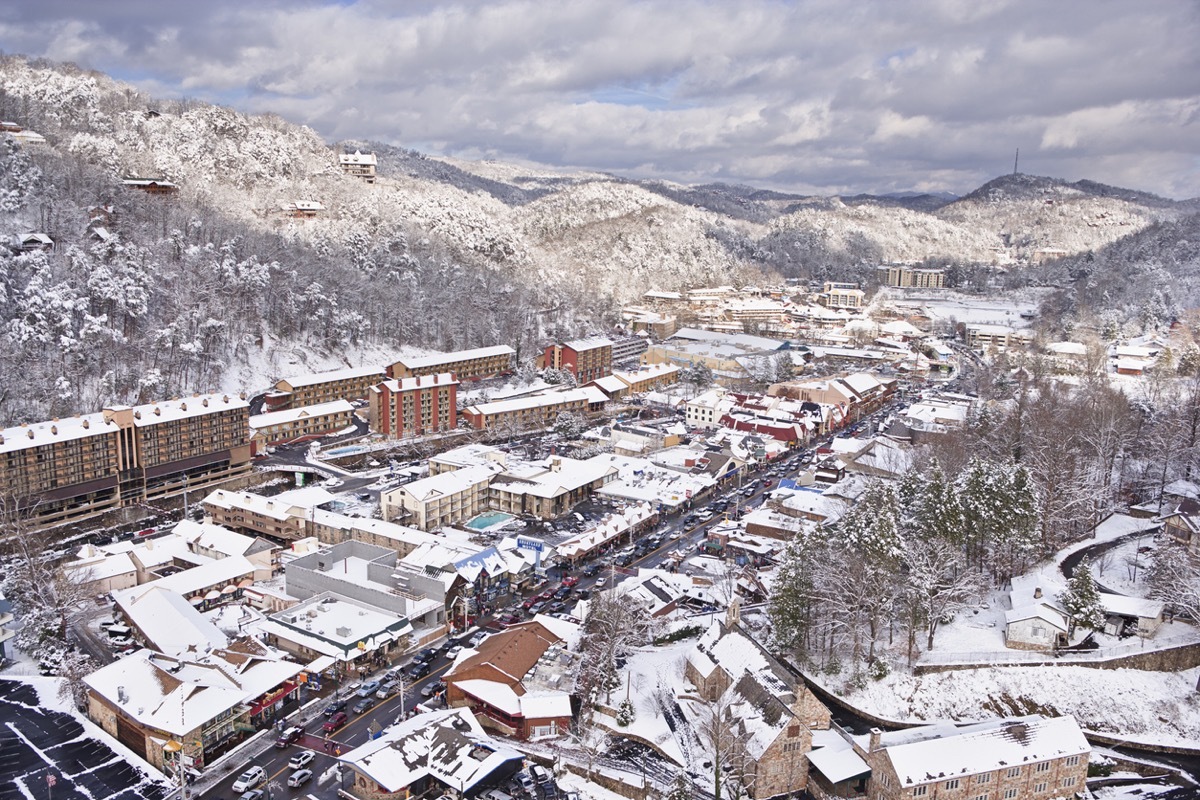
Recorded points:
489,520
345,451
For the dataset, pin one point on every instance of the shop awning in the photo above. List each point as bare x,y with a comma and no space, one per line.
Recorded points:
212,595
320,664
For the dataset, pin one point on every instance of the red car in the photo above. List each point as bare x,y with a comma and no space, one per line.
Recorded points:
570,580
335,722
546,595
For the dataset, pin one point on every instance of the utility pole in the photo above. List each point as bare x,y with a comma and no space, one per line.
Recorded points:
1016,159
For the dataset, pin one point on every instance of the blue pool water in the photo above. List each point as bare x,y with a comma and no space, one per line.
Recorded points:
488,520
344,451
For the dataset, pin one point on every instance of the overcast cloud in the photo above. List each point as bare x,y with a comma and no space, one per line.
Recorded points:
825,96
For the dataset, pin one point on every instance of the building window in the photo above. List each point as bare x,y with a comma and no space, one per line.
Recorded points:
984,778
1042,767
1067,782
952,784
1073,761
920,791
1013,772
1039,788
1009,794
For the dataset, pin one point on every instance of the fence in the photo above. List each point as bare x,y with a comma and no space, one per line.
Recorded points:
1186,645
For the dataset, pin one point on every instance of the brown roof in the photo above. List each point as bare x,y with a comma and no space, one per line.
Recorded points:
512,652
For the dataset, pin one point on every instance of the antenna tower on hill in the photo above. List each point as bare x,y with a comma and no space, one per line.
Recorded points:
1016,159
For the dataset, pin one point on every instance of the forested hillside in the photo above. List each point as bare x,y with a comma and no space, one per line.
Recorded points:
214,287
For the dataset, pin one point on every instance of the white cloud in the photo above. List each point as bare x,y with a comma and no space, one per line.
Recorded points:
811,95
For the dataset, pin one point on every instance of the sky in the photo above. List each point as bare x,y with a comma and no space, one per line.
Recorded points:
811,96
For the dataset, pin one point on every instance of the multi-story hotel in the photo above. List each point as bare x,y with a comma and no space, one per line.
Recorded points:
466,365
76,468
842,295
903,276
586,359
414,406
296,424
325,387
359,165
535,411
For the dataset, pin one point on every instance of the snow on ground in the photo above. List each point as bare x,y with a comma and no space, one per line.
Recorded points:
1116,570
1160,707
1133,791
260,368
570,782
650,670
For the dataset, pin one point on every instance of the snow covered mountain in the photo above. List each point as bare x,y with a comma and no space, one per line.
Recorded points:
216,286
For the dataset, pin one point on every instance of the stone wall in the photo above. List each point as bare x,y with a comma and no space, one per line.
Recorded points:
1167,659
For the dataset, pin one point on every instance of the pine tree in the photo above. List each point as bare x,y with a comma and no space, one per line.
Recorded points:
790,608
1081,599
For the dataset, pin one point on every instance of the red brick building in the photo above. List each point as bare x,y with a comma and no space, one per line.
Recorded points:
414,406
586,359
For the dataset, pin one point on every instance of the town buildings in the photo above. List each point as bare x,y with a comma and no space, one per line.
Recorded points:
465,365
518,682
359,165
414,406
535,411
77,467
907,276
586,359
323,387
207,701
841,295
430,755
298,424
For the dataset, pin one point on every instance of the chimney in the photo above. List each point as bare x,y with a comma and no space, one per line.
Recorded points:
122,697
1037,593
874,740
85,423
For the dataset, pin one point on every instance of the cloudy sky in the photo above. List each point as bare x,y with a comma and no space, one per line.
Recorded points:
827,95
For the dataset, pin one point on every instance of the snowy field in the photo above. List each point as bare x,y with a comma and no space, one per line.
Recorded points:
262,367
973,310
1161,707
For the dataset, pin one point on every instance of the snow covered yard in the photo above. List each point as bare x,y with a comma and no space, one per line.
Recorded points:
1162,707
653,673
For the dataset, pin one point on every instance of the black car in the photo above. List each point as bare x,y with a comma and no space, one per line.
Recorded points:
419,669
590,570
364,705
428,654
562,593
334,707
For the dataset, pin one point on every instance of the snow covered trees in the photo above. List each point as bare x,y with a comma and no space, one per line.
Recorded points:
1174,578
1081,599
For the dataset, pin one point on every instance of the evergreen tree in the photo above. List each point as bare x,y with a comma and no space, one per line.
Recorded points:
790,608
937,513
1081,599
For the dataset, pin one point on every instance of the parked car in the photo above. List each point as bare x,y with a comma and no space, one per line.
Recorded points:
537,607
477,638
453,652
526,783
255,776
368,688
334,707
302,759
253,794
335,722
364,705
387,689
289,736
541,775
299,778
601,582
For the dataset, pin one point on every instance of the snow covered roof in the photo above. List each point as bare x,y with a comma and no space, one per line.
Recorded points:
213,574
1131,606
185,408
170,624
448,746
333,625
259,421
1037,611
611,383
418,382
177,695
938,752
97,565
39,434
838,764
436,359
588,394
358,157
208,536
314,378
449,483
591,343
